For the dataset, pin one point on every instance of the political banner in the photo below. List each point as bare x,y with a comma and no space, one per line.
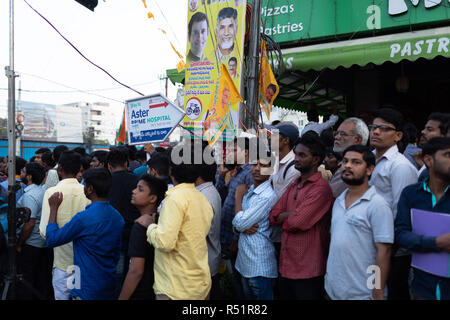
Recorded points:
215,35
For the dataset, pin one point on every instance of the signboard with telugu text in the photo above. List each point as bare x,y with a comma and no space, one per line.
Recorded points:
151,119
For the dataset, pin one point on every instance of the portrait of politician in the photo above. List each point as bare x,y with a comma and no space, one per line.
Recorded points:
226,31
270,92
232,67
198,37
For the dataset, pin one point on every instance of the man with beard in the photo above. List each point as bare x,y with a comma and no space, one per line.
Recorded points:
198,37
35,259
362,233
432,195
304,211
435,127
226,34
351,131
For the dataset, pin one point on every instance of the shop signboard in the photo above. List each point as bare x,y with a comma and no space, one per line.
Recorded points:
301,20
151,119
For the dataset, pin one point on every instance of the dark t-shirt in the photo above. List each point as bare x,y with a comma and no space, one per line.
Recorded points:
123,184
140,248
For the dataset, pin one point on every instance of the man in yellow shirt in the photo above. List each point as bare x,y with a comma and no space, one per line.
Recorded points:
74,201
179,237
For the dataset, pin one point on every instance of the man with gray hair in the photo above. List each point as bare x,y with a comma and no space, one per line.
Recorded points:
351,131
226,32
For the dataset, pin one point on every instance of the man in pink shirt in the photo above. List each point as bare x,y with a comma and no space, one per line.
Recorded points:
304,211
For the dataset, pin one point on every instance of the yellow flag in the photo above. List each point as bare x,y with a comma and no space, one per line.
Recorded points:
180,66
225,94
150,15
268,86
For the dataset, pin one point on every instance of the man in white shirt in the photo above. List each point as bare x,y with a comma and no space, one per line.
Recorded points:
74,201
362,233
393,172
313,121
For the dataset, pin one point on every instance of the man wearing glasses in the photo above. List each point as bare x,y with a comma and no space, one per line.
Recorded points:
393,172
351,131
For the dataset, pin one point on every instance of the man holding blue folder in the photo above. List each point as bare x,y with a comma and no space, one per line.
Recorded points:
432,196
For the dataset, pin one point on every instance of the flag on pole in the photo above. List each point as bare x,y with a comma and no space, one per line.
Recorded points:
122,137
225,94
268,86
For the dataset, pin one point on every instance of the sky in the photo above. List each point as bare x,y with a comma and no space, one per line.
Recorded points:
118,36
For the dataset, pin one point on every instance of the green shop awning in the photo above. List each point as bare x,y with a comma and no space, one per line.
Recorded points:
395,47
175,76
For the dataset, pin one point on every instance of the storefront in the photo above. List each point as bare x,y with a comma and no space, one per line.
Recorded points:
361,54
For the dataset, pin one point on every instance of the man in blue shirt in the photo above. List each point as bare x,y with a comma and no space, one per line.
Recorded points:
256,261
431,195
35,259
96,235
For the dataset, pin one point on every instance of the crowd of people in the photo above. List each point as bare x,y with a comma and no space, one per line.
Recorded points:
327,215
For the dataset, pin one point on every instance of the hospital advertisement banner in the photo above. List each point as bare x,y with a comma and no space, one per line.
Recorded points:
216,31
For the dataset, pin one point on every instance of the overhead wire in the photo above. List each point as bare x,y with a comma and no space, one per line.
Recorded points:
79,52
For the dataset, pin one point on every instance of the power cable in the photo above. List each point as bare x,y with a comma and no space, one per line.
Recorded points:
79,52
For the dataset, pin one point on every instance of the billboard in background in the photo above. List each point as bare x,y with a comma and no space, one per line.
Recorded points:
40,121
215,35
46,122
69,124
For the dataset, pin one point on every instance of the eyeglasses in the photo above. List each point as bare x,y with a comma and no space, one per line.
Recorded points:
342,134
383,128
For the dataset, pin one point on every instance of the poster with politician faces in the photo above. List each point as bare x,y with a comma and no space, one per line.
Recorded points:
215,31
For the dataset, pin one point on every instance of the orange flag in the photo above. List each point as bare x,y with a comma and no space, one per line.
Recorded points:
122,137
225,95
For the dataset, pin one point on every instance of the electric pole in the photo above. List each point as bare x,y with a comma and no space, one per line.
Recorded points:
10,283
253,65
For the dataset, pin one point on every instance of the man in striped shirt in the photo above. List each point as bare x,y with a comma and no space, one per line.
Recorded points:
256,261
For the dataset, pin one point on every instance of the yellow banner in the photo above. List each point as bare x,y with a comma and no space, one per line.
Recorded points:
268,86
225,95
215,37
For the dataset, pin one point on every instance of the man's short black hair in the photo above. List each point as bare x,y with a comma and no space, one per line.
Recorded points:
20,164
410,132
58,151
314,144
160,162
435,144
157,186
442,118
100,180
101,156
141,155
368,156
42,150
184,172
312,115
70,162
85,162
197,17
337,155
117,158
37,172
232,59
227,12
207,171
131,152
48,159
80,150
391,116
